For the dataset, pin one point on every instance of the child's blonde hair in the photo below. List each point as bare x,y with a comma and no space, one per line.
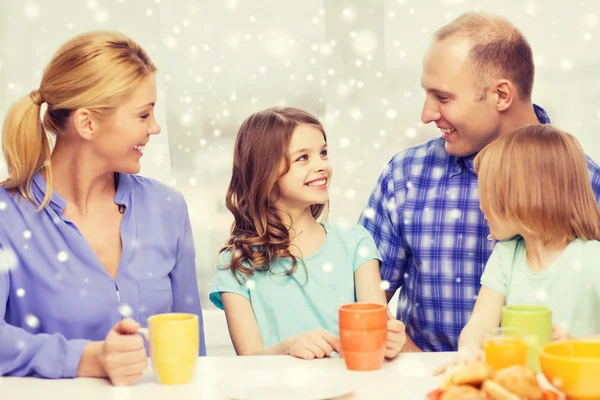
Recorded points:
537,176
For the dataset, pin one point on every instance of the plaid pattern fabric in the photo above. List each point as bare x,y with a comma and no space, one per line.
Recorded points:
424,216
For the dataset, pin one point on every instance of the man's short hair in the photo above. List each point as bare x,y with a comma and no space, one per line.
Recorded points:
498,50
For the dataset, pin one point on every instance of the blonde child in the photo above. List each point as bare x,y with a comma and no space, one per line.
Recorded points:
536,195
282,274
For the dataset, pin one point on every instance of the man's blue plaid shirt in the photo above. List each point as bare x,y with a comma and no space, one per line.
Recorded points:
424,216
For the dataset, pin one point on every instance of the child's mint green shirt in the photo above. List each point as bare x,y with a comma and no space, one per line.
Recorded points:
309,299
570,287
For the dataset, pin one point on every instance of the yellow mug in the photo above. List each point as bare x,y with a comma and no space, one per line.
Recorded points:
174,342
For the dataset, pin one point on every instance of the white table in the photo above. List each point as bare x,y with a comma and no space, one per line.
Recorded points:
409,376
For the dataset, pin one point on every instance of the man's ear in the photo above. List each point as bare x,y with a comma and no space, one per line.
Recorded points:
504,91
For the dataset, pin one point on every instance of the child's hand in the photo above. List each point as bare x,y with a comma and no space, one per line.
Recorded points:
396,337
466,355
560,333
318,343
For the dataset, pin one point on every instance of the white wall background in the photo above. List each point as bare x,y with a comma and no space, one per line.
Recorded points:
356,64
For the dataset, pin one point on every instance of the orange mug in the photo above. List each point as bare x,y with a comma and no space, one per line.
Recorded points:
505,347
363,335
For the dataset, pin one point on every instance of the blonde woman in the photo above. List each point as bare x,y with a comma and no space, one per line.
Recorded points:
85,242
543,211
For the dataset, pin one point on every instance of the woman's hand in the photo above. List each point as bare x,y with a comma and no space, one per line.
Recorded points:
122,354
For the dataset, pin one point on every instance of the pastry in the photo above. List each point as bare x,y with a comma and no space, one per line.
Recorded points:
470,374
495,391
520,380
463,392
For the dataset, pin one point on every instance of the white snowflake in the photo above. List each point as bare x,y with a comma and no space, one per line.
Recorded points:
455,214
149,12
231,4
350,193
170,42
349,14
391,113
327,267
343,89
411,133
3,204
566,64
32,11
369,213
530,8
438,172
356,114
186,119
27,234
325,49
21,344
125,310
344,143
365,42
277,43
20,292
8,260
32,321
541,295
349,166
363,251
591,20
385,285
250,284
62,256
102,16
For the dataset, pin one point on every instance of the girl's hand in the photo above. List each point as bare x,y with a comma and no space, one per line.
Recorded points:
466,355
396,337
318,343
560,333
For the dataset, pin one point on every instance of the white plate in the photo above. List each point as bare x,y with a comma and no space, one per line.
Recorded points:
287,383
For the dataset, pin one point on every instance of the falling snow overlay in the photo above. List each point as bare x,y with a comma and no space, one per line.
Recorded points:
357,66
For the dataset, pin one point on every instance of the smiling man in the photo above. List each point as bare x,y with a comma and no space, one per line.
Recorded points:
424,210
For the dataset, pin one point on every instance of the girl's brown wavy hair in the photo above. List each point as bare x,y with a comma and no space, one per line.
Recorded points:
258,235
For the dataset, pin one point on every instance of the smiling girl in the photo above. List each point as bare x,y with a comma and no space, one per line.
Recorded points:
283,274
